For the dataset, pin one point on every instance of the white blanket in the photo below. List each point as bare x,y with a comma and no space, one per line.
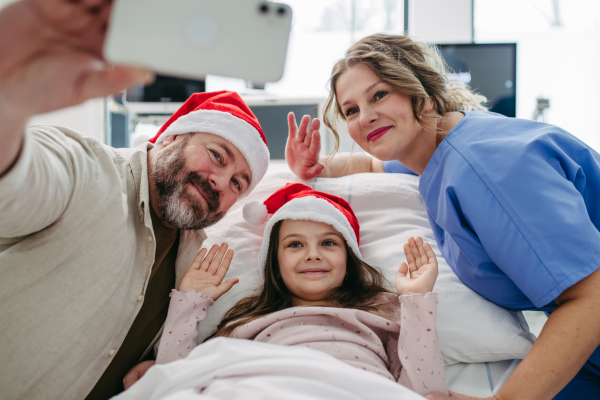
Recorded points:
225,368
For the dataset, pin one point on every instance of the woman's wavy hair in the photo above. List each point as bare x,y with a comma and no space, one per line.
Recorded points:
360,290
415,69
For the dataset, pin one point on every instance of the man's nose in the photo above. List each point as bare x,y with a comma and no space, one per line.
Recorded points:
218,181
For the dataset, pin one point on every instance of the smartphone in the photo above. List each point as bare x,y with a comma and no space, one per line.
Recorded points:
245,39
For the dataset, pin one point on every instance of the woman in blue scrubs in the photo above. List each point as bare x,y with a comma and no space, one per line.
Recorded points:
514,204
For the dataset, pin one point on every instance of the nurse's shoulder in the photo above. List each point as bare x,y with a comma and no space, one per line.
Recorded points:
492,142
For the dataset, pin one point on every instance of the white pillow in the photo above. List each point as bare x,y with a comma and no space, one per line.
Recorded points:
389,210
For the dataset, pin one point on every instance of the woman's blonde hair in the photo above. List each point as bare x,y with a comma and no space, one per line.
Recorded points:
414,69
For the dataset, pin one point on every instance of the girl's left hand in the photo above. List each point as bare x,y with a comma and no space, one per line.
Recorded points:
422,265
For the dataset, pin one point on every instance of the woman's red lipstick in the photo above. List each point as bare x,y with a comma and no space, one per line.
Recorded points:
377,133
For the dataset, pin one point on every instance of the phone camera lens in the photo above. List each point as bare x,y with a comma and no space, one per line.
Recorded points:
281,11
263,8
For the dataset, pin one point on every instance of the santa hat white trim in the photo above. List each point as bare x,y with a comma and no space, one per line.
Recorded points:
312,209
231,128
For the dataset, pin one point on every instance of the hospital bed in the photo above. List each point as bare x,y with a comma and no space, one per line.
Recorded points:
481,342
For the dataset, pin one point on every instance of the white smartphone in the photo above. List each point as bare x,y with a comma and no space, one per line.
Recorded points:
245,39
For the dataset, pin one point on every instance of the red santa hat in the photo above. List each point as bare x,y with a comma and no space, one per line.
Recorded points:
299,202
226,115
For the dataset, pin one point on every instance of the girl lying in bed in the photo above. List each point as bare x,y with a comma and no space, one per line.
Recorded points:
319,293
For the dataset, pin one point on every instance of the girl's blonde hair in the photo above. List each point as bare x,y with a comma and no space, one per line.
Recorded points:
414,69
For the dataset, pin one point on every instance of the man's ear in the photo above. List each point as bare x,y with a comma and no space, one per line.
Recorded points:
168,140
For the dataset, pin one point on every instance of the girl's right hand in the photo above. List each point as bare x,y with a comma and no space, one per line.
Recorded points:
207,272
303,147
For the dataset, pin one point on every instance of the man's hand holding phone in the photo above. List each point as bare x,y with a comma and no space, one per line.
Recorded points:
51,58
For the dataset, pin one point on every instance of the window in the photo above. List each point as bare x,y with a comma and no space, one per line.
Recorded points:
558,57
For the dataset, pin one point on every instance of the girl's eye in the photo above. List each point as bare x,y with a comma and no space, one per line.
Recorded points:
329,243
380,95
295,245
217,156
350,111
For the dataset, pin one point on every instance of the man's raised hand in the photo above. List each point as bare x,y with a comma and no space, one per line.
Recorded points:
51,56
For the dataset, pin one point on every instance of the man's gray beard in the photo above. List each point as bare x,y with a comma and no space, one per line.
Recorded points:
176,207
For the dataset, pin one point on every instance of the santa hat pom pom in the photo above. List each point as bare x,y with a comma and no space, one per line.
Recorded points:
254,212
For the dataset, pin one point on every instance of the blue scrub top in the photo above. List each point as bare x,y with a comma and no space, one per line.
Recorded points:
515,208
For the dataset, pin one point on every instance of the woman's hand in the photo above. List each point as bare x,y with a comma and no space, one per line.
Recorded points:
422,265
136,373
207,272
303,147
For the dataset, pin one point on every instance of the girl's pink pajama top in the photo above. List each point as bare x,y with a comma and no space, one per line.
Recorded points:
403,346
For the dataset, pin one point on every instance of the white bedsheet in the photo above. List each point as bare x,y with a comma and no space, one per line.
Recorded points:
225,368
479,379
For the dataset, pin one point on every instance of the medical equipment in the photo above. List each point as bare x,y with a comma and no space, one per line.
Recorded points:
489,69
271,111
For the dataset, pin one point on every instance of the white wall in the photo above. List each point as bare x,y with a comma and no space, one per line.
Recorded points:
559,61
86,119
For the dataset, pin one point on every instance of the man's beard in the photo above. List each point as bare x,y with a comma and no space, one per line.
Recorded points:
175,206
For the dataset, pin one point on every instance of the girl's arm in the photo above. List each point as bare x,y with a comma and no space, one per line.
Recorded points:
302,154
418,345
186,310
200,287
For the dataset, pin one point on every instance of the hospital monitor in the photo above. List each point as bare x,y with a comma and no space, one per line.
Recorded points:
155,103
488,68
165,89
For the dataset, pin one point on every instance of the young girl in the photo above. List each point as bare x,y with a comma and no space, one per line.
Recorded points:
319,293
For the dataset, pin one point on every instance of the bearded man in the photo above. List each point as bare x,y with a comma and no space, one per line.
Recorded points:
92,238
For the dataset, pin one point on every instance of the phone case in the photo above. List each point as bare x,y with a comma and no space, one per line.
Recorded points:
245,39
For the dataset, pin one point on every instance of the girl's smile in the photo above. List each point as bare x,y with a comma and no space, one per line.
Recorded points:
314,271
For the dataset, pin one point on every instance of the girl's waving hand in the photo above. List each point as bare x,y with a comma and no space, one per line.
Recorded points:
422,268
207,272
